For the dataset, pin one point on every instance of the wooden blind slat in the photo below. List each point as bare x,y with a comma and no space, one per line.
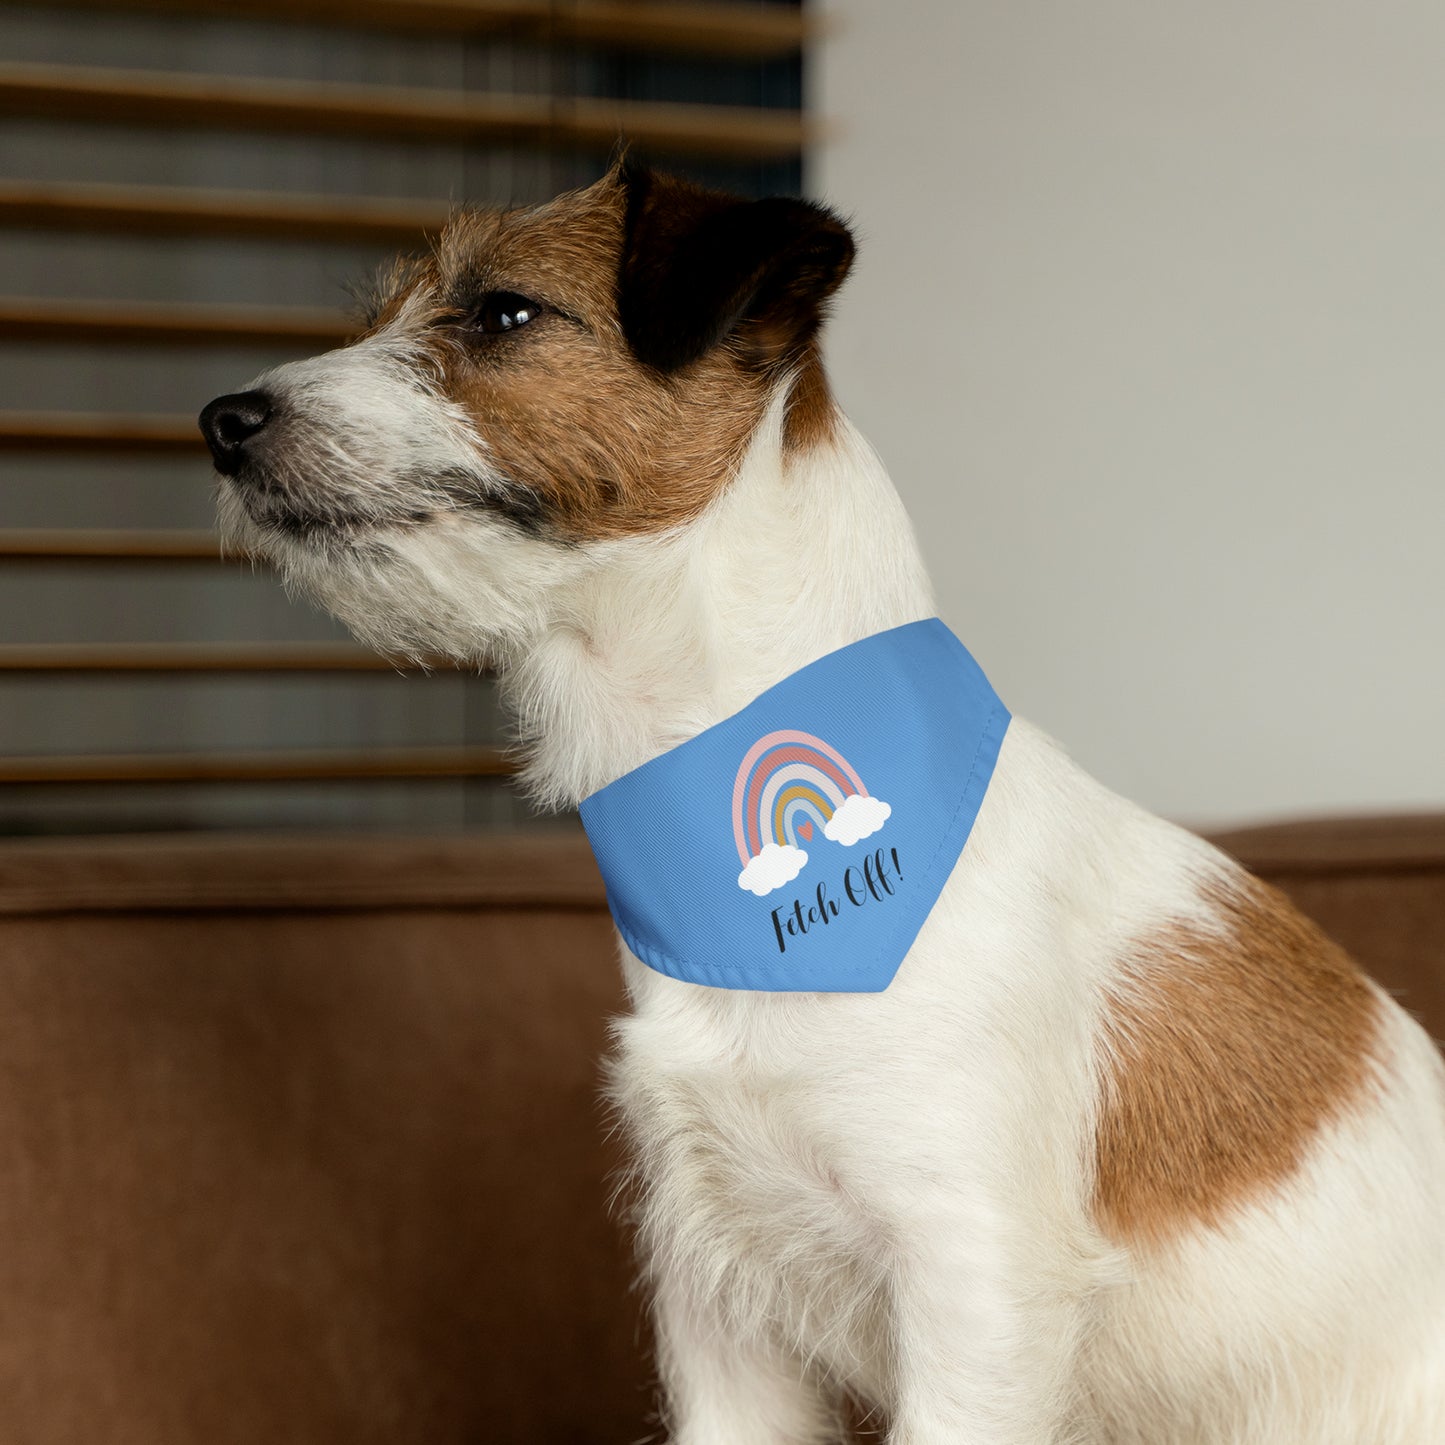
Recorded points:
176,210
217,102
170,323
709,29
76,544
79,431
259,767
755,32
206,657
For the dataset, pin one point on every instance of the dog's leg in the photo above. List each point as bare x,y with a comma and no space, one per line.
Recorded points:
721,1388
983,1353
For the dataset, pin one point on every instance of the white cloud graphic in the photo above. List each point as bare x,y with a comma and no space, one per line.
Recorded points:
777,864
859,816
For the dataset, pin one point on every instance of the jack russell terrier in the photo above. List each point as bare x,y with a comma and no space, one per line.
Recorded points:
957,1086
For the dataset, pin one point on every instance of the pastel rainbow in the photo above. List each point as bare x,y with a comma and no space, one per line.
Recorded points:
785,778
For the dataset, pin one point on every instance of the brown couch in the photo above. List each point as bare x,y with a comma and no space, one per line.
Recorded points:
301,1138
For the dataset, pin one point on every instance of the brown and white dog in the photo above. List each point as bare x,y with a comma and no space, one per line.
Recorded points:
1128,1152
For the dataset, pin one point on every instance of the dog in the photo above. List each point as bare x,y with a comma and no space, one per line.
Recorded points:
1127,1153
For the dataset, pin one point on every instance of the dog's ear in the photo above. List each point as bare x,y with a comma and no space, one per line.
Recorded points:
699,266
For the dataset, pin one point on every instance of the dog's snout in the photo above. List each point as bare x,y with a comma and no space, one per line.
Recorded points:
229,422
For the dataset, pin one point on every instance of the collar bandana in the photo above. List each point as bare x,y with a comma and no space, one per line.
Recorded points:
800,844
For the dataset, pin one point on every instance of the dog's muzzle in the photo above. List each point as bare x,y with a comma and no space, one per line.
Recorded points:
230,422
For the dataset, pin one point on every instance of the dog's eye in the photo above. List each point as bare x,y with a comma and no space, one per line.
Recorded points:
504,311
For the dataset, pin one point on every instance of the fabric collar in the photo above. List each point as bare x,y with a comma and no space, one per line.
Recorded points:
800,844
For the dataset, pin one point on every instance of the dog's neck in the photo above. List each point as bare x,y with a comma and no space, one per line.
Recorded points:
803,554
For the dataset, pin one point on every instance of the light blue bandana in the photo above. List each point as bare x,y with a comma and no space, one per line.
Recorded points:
800,844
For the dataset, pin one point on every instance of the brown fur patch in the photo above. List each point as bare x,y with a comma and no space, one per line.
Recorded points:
603,445
812,413
608,446
1226,1053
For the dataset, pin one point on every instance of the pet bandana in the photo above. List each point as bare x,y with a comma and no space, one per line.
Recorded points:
800,844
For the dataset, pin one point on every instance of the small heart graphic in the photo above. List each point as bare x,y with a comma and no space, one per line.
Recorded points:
806,829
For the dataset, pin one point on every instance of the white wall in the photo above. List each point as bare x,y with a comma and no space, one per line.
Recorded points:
1149,324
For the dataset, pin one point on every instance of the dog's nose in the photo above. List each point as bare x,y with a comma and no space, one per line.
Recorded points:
229,422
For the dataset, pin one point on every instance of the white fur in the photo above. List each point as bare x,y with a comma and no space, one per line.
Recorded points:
890,1193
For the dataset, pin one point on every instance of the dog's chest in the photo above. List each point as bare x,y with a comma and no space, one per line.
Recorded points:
745,1182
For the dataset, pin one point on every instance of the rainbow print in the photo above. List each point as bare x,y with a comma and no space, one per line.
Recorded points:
789,784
